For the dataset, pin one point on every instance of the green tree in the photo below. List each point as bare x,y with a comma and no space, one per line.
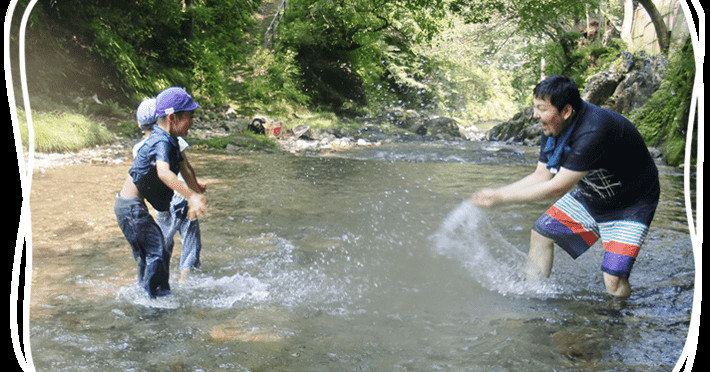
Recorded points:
153,44
221,38
548,25
358,52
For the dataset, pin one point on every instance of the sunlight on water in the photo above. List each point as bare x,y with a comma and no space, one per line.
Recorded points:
136,295
224,292
288,281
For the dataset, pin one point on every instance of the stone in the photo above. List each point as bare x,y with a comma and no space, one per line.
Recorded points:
302,131
639,84
601,86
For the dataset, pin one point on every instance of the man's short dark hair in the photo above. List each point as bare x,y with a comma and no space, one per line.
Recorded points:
561,90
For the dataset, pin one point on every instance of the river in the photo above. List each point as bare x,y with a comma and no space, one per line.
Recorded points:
363,260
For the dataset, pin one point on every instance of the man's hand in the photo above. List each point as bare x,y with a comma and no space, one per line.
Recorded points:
485,198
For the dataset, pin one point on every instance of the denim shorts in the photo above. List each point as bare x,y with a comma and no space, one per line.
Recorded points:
575,229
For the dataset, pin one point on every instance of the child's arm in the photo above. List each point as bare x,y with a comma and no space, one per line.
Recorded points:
188,174
196,201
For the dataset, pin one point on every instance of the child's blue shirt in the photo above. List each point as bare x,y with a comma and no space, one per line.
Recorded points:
159,146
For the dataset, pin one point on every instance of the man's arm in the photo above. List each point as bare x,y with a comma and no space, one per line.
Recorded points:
539,185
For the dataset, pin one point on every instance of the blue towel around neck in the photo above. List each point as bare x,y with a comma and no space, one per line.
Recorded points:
556,148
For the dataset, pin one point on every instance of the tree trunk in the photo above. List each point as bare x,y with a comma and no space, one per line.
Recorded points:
188,4
664,39
626,26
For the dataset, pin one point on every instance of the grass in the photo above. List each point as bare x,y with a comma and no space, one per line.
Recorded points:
59,128
62,131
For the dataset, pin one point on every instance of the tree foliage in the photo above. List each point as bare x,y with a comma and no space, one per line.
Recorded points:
358,52
664,119
157,43
347,56
534,18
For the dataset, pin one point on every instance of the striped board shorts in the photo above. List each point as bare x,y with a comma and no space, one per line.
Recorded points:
575,229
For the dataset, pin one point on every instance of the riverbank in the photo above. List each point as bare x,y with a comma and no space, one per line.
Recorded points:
294,138
297,142
114,153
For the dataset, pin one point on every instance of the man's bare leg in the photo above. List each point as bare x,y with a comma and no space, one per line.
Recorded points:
540,256
617,286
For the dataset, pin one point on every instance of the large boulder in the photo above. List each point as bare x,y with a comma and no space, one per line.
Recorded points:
522,128
422,124
601,86
440,126
642,80
629,85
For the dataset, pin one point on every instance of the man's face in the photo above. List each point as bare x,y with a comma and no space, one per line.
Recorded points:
552,120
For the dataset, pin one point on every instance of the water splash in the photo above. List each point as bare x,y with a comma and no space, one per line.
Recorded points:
293,276
467,236
225,292
281,274
136,295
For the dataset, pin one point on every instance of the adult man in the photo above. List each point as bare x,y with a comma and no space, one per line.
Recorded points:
604,155
153,177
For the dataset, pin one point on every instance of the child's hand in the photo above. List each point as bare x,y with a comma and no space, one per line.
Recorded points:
197,206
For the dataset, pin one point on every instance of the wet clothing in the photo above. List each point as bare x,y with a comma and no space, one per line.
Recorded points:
175,220
146,241
615,201
159,146
575,229
138,226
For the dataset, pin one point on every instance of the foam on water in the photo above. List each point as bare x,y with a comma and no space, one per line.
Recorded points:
467,236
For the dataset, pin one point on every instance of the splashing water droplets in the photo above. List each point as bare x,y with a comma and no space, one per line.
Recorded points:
467,236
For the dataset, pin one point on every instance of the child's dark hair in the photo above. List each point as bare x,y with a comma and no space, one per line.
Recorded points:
561,91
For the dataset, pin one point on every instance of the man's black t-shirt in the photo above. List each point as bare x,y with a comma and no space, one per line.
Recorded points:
621,169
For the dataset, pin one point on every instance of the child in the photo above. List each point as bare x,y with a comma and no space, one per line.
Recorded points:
175,219
145,115
153,177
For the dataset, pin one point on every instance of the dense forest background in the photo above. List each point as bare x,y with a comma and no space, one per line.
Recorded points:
472,60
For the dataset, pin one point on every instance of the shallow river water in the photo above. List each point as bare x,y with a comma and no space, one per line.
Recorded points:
365,260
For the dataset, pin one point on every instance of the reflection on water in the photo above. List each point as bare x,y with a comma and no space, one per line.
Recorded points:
372,260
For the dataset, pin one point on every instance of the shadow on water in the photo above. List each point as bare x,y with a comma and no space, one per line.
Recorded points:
373,260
